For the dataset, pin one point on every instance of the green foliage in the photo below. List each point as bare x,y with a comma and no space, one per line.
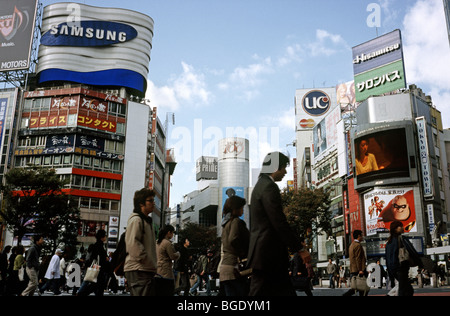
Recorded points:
200,237
307,211
33,203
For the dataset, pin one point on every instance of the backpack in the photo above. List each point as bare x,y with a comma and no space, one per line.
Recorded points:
120,254
198,265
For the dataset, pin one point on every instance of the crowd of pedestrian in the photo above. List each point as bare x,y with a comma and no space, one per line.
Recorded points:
270,259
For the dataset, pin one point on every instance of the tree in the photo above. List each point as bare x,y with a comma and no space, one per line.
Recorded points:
33,203
199,236
307,211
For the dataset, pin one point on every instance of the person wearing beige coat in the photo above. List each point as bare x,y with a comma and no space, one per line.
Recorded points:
141,263
166,254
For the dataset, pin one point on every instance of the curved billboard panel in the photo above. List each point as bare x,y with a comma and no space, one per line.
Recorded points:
95,46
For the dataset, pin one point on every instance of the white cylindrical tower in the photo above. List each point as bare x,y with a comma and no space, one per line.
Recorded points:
233,173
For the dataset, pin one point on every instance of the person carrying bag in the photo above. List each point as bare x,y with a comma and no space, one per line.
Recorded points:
93,271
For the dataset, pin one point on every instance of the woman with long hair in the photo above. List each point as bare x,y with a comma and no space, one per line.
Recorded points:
166,254
400,257
235,242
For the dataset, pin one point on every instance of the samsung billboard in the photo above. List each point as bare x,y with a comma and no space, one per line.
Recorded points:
95,46
378,66
17,22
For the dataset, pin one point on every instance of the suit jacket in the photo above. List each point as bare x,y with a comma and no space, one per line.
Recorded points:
270,234
357,257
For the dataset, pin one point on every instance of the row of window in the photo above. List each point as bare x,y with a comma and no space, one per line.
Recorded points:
111,146
94,184
45,104
97,204
68,161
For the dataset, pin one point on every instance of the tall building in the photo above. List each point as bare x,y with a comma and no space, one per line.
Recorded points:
218,178
447,16
82,115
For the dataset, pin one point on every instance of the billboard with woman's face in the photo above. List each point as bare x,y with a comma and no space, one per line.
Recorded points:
381,155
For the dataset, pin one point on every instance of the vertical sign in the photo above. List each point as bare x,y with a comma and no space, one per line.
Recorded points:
424,157
3,106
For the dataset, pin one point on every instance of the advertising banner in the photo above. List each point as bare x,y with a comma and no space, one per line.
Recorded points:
425,163
379,81
378,66
311,106
325,133
97,123
207,168
228,192
95,46
17,22
382,206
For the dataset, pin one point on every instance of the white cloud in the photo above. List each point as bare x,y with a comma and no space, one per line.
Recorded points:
246,80
251,76
326,44
162,97
427,53
189,87
292,53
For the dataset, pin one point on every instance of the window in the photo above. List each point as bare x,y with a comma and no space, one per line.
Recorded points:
108,184
107,164
86,161
72,120
77,160
45,103
87,182
27,105
84,202
104,205
120,148
114,205
120,129
76,180
95,204
24,123
97,183
47,160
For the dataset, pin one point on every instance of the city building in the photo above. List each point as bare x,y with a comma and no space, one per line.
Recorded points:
218,178
447,16
83,114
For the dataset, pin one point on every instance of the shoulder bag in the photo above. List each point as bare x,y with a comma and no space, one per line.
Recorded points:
93,271
359,283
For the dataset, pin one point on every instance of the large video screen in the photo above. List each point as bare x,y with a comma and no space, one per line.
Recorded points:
381,155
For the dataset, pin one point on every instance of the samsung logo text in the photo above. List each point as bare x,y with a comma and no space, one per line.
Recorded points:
89,33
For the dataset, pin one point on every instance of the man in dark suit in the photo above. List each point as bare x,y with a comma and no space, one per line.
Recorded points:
270,234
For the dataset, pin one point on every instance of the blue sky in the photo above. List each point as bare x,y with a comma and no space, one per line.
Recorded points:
235,65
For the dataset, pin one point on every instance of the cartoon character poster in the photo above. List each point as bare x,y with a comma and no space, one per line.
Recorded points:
383,206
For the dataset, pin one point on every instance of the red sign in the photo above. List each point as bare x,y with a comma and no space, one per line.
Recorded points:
48,121
97,123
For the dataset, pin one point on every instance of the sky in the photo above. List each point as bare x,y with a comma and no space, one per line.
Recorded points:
231,68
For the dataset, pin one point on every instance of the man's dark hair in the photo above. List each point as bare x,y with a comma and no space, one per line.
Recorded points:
140,197
357,233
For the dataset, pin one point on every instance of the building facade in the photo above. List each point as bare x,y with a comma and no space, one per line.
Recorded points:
83,115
